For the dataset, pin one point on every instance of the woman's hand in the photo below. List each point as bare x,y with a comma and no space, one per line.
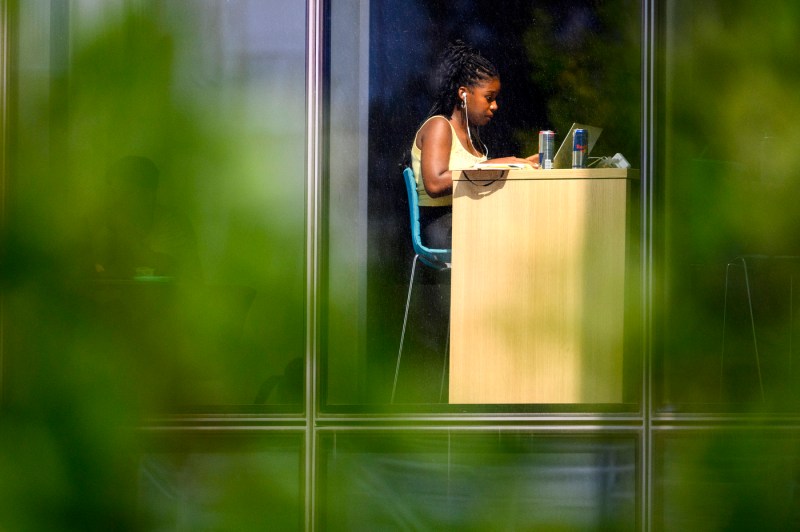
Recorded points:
532,161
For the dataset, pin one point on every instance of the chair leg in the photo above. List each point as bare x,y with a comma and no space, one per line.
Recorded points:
446,361
724,328
753,326
403,333
791,328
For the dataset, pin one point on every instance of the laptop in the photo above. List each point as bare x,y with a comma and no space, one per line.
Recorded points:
563,157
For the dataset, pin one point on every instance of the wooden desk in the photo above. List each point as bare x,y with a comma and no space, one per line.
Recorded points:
538,286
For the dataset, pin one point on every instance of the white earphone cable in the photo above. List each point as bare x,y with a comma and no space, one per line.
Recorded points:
469,135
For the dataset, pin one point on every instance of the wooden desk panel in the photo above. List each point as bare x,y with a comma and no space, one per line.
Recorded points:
538,287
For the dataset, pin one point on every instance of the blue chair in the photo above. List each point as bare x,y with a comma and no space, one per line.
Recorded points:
438,259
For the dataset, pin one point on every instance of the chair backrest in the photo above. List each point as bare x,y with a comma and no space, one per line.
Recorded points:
433,257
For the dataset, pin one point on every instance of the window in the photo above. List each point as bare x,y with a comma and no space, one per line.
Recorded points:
220,481
429,480
159,171
153,400
730,230
717,479
558,65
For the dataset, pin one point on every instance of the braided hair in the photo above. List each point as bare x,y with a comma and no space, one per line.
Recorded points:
460,66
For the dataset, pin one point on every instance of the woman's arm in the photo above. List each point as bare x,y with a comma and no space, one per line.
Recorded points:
435,141
533,160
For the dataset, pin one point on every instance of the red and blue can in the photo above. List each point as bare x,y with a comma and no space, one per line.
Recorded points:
547,141
580,148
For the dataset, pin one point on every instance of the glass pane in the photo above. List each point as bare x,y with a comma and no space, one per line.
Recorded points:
729,480
158,185
485,481
560,63
730,233
222,484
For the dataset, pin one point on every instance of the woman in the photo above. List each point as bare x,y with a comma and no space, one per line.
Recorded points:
448,139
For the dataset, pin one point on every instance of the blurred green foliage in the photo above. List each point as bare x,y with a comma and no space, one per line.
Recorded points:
88,359
91,353
730,183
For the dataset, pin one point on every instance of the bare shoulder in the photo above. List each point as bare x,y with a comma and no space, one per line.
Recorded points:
435,130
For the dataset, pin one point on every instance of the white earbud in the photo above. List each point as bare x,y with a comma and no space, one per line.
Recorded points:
466,117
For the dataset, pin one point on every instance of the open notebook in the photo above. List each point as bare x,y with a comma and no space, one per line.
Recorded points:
499,166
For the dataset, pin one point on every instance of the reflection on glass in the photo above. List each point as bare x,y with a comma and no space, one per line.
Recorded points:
135,235
558,64
228,486
727,480
731,247
476,482
159,184
146,286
